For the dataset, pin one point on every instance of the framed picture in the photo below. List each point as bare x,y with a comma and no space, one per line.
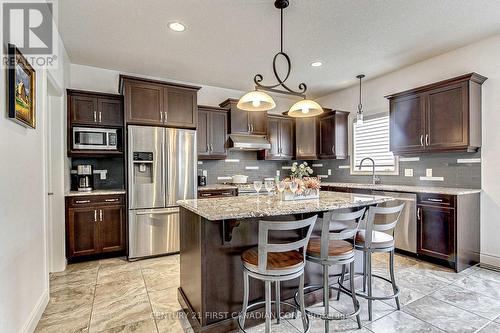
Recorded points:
21,89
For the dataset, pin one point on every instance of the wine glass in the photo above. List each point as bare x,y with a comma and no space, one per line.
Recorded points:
280,185
269,184
257,185
294,186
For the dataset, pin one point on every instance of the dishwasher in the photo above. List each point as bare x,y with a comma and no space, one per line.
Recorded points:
405,233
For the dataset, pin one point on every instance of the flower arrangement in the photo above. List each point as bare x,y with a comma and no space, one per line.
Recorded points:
307,188
299,171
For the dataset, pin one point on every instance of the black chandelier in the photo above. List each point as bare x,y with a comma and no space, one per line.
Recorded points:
258,100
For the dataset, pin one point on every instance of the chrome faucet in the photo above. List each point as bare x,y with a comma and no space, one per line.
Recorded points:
375,179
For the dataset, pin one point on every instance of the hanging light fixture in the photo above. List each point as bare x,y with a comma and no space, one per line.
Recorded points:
258,100
359,114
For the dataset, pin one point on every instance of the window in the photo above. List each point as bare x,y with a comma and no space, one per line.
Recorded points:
371,139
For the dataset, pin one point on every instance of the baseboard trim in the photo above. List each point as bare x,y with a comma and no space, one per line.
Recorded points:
37,312
490,260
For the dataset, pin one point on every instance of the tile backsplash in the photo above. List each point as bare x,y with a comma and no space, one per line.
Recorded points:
455,169
115,175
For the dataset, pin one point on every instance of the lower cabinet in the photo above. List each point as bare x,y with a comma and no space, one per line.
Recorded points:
436,232
95,225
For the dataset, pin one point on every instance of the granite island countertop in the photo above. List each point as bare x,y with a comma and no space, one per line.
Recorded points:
260,206
406,188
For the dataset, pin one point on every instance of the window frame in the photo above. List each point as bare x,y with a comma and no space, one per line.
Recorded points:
353,170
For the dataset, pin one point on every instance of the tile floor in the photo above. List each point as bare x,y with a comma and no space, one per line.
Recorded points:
114,295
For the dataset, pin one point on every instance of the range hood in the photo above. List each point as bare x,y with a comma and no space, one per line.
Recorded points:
248,142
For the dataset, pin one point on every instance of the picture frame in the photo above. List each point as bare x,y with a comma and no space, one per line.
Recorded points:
21,88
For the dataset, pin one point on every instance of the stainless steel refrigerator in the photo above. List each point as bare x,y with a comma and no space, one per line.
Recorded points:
161,170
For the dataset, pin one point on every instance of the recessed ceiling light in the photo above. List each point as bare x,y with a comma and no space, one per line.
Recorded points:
177,26
317,64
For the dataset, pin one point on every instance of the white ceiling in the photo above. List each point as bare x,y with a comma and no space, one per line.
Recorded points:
228,41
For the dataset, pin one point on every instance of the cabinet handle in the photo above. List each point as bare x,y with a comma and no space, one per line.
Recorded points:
95,116
208,148
248,127
100,116
427,139
435,200
112,200
333,149
165,116
418,213
252,127
161,116
422,140
82,201
95,215
211,147
100,215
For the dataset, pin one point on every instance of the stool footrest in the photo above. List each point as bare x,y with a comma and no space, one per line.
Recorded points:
323,316
257,304
373,298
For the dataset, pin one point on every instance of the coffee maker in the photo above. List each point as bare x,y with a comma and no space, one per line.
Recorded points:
85,177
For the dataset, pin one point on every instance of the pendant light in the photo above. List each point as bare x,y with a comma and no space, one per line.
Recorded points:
259,100
359,114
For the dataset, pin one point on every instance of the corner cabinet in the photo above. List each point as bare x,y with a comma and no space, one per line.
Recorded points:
244,122
443,116
281,135
158,103
212,133
95,225
333,129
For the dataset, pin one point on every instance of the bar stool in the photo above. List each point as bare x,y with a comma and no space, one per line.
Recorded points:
276,262
332,248
377,237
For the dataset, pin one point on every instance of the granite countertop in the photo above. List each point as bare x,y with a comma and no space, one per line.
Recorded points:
94,192
215,187
259,206
406,188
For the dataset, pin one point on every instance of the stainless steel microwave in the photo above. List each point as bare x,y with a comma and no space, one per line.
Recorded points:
95,138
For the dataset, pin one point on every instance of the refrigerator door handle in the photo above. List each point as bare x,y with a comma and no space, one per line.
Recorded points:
165,168
158,211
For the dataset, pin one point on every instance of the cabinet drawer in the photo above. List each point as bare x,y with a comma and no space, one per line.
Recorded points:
92,200
439,200
216,194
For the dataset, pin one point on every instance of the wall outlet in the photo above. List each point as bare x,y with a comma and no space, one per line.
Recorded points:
408,172
428,172
277,173
204,173
329,172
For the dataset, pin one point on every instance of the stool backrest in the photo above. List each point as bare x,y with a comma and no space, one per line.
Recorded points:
265,247
385,227
339,226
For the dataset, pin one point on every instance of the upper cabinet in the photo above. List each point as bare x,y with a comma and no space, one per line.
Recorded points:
244,122
281,135
306,138
333,135
443,116
152,102
94,109
212,133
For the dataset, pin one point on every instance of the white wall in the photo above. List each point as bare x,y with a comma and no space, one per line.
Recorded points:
105,80
481,57
24,268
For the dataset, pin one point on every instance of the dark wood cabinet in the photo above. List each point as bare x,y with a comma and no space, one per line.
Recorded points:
443,116
212,133
158,103
244,122
281,135
436,232
94,109
333,129
95,225
216,193
306,138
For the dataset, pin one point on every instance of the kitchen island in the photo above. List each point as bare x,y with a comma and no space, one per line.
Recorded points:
214,233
